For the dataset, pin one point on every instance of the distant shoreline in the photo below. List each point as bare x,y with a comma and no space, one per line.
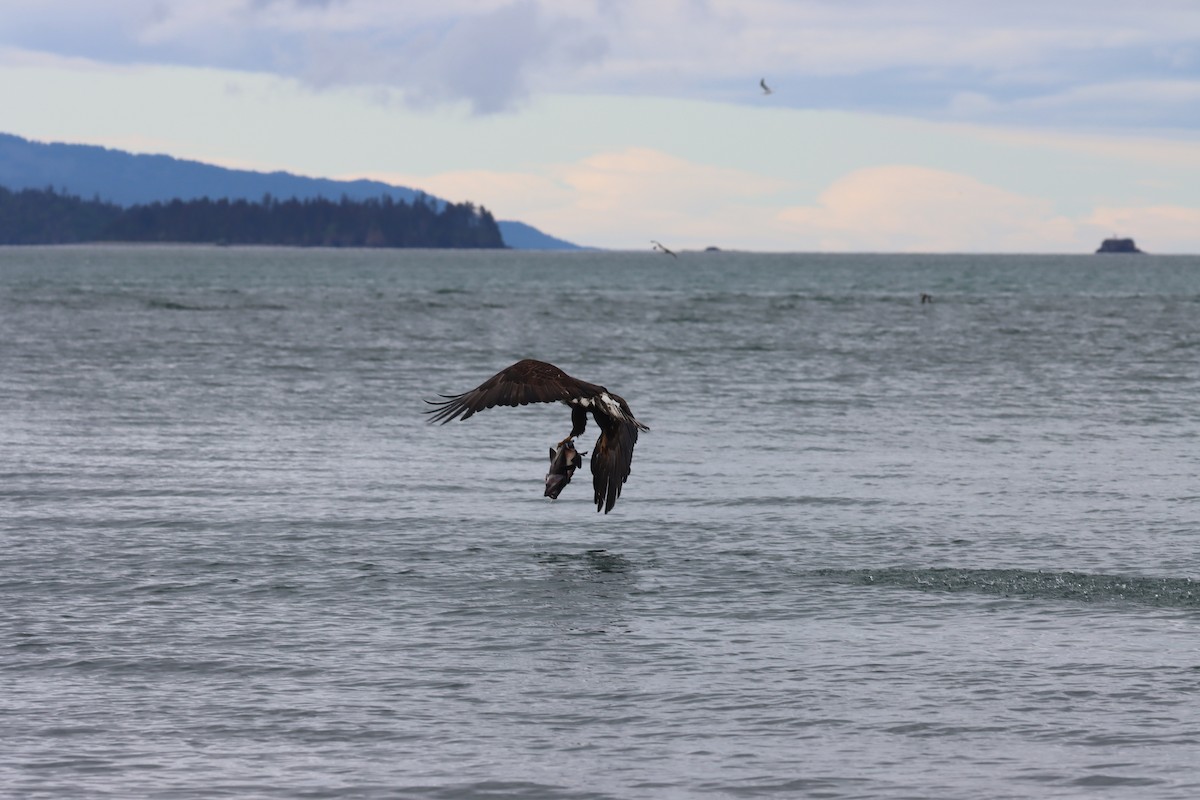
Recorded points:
697,256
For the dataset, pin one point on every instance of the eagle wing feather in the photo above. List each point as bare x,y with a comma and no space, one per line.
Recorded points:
612,456
524,382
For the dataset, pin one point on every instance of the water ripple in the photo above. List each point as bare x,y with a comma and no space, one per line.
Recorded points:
1075,586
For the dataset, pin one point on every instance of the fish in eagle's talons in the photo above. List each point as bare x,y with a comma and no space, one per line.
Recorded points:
564,460
532,381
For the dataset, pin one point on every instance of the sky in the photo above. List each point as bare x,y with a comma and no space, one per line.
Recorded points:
891,126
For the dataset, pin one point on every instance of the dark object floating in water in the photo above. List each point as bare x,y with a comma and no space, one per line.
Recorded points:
712,248
532,381
1115,245
926,298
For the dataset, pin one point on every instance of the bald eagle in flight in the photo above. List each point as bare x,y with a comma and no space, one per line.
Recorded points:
532,381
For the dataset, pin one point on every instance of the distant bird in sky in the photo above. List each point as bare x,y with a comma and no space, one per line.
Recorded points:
663,248
766,89
532,381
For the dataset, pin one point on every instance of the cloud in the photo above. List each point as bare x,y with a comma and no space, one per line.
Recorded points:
619,199
1127,104
490,59
917,209
1023,60
486,54
1178,154
622,199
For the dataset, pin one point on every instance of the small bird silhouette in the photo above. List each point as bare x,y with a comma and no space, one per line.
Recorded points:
663,248
766,89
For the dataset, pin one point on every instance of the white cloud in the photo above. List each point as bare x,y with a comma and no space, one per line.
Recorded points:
623,199
620,199
917,209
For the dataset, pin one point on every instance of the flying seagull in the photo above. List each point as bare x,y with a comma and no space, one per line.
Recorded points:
663,248
763,83
532,381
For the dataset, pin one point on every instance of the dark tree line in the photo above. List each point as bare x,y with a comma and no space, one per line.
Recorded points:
44,216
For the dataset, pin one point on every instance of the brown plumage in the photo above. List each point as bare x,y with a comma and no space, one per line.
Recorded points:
532,381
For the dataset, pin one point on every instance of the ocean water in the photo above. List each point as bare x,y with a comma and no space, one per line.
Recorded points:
870,548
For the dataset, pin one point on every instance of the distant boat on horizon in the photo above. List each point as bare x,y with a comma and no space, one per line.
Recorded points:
1118,245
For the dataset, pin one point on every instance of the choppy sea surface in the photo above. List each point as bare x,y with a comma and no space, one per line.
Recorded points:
870,548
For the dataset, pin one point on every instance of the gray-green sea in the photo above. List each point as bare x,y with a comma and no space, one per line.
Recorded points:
870,548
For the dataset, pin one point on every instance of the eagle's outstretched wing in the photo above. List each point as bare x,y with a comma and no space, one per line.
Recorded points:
611,458
613,452
524,382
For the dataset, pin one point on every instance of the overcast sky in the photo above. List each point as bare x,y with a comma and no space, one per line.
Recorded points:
916,125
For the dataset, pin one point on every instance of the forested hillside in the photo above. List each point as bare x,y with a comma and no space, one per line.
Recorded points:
129,179
44,216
